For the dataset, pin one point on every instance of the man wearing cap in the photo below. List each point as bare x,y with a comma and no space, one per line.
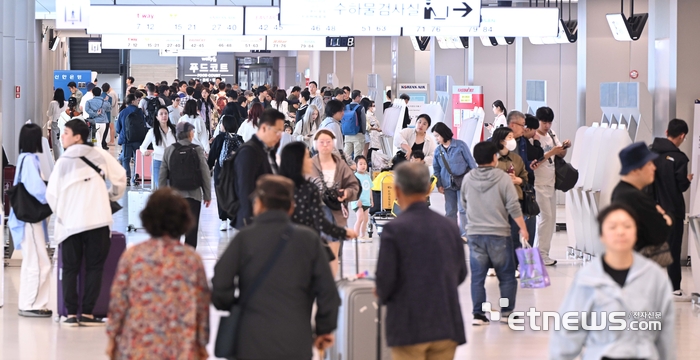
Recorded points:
637,173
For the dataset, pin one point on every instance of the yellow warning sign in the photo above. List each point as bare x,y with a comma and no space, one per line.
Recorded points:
465,98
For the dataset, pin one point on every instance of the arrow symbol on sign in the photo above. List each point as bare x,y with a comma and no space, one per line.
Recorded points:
467,9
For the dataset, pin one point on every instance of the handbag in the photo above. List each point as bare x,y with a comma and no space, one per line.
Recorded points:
229,326
529,201
533,274
566,176
456,181
113,205
661,254
330,195
26,207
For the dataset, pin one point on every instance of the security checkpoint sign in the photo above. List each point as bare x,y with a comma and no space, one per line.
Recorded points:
386,12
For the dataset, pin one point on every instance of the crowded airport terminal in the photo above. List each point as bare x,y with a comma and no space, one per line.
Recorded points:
350,179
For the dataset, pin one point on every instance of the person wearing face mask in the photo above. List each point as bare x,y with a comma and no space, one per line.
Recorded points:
409,140
510,162
452,160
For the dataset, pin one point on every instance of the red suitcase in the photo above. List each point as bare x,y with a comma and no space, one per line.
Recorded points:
8,179
143,166
116,249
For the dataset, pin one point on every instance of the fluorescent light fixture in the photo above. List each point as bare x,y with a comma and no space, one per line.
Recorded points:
624,29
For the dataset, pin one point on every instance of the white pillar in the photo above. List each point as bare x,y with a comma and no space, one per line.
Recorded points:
519,74
315,67
581,63
21,63
470,62
2,238
33,104
8,83
433,54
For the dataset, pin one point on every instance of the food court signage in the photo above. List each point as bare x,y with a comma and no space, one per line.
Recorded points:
208,68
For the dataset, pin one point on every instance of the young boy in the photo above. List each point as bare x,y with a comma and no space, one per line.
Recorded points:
365,202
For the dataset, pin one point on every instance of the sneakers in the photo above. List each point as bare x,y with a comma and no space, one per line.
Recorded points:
36,313
86,321
680,296
71,322
223,226
480,319
491,272
548,261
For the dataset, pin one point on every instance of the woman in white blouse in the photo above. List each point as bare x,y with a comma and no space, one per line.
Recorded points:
56,107
161,137
499,110
250,126
201,133
409,140
281,105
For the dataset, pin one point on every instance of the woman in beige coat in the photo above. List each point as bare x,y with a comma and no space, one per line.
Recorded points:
331,172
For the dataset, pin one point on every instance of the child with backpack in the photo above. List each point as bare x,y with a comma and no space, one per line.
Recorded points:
365,202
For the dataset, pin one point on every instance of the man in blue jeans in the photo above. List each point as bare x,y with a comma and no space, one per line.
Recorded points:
488,229
129,146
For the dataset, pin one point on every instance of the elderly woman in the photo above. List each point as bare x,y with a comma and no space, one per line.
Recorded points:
159,304
409,140
335,177
452,160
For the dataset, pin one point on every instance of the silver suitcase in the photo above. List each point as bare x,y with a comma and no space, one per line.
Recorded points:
136,199
358,336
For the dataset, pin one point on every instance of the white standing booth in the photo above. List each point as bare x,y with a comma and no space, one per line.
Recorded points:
694,218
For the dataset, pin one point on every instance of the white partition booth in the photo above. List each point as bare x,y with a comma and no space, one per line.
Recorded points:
443,93
535,95
694,218
628,104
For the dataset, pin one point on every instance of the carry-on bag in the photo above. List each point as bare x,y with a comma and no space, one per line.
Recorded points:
137,197
116,249
143,167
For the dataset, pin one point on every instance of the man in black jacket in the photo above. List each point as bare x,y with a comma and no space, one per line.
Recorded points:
255,159
671,181
276,321
420,292
637,173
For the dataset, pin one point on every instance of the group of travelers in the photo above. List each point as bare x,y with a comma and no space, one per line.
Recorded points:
286,171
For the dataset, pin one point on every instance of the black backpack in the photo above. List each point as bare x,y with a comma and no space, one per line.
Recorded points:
135,128
184,167
226,196
151,110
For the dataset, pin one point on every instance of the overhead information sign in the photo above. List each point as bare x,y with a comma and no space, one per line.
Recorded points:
296,43
146,42
385,12
72,14
166,20
179,52
499,22
264,21
224,43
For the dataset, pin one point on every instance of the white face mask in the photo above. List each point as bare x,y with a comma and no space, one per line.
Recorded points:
511,145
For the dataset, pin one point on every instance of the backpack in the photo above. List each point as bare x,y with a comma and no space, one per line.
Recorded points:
221,102
184,167
151,110
350,125
135,128
226,195
232,143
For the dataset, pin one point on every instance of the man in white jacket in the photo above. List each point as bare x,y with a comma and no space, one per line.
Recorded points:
80,199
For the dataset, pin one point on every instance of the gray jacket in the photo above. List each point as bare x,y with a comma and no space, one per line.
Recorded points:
196,194
493,187
646,289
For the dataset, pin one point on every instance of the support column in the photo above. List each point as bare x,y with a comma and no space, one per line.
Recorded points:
431,83
470,61
21,64
315,67
519,74
8,81
663,59
394,65
32,104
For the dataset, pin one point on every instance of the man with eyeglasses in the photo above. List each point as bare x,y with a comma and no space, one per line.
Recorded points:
255,159
516,121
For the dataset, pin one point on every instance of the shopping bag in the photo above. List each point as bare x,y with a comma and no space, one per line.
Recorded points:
533,274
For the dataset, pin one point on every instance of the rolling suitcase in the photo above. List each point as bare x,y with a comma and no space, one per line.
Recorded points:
137,197
143,167
360,332
116,249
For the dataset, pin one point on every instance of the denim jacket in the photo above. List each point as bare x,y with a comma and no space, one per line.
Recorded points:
93,107
459,158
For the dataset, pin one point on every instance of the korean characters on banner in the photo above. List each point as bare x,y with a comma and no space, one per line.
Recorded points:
207,68
81,78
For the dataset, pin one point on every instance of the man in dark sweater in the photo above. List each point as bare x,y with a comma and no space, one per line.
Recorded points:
637,173
671,180
419,291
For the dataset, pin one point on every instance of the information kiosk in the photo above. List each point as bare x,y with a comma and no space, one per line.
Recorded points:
468,113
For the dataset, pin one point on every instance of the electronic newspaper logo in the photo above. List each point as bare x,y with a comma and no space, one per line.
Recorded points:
576,320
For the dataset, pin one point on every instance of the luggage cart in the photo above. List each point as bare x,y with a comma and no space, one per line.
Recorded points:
384,198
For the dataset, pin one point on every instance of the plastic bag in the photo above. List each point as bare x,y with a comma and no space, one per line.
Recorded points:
533,274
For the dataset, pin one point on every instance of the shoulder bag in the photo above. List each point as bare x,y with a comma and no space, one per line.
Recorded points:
113,205
329,195
566,175
26,207
229,326
455,180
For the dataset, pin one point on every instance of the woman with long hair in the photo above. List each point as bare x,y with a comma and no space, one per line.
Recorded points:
206,108
161,136
35,284
307,126
201,134
56,107
280,104
250,126
72,111
499,111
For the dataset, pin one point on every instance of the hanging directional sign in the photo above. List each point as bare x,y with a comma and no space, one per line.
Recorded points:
385,12
143,42
224,43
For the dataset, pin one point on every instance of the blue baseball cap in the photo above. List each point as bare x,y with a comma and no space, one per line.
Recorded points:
635,156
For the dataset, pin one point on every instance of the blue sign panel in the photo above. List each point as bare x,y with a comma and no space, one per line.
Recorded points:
61,78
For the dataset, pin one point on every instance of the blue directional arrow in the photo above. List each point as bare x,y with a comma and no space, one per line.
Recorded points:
467,9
